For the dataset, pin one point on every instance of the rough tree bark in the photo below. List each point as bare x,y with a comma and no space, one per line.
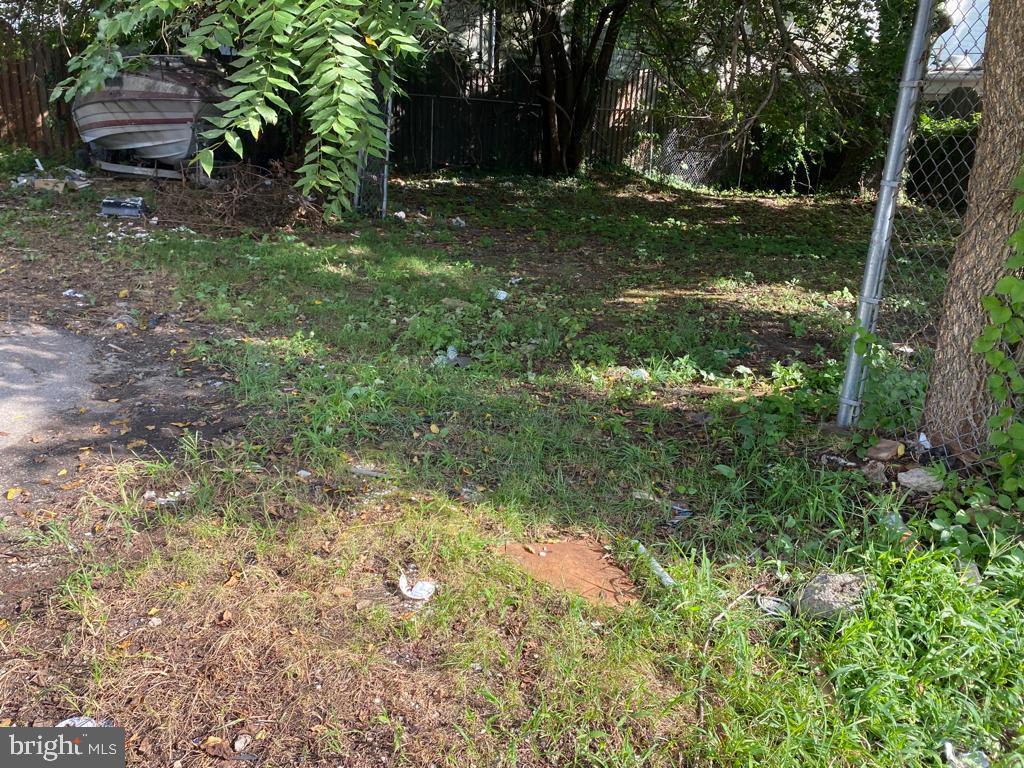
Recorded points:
958,401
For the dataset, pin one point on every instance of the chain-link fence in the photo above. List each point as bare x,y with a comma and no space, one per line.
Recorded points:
919,216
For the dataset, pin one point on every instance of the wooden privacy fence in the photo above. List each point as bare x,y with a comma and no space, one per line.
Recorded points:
27,117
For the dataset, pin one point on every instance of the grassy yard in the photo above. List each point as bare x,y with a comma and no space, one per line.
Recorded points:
655,346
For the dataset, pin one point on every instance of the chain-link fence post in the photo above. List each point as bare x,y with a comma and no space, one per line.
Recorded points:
885,209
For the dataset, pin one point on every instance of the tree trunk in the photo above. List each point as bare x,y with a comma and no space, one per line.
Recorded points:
958,403
571,80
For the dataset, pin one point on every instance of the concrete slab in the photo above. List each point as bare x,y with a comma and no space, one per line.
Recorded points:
43,374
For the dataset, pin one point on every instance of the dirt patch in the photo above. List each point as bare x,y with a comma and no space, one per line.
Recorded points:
581,566
95,368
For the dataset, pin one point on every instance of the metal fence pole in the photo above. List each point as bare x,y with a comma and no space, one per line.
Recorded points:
430,159
885,209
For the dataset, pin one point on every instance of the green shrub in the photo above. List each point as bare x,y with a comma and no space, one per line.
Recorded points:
15,160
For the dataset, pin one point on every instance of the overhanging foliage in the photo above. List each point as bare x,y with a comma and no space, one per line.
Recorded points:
328,61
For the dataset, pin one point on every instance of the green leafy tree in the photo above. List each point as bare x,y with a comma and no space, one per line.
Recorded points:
330,62
793,79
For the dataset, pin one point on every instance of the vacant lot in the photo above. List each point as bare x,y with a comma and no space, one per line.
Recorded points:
205,546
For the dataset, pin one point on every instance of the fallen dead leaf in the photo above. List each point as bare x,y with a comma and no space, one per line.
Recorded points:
233,578
133,444
13,493
215,746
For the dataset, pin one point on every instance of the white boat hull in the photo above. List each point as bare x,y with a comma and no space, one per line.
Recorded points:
152,115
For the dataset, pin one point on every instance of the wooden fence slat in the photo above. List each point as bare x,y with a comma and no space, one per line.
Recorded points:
45,124
6,110
25,97
26,115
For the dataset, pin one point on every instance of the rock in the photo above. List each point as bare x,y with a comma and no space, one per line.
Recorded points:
875,472
919,480
886,450
831,595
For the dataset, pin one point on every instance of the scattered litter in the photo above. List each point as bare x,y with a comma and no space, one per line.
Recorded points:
919,480
72,177
515,280
75,178
422,590
452,357
775,606
954,759
457,222
835,461
71,293
621,372
305,474
133,207
80,721
164,501
680,513
923,442
663,576
39,166
499,294
400,215
242,742
43,185
644,496
155,621
357,469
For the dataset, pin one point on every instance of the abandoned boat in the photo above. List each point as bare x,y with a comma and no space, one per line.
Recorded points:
151,113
